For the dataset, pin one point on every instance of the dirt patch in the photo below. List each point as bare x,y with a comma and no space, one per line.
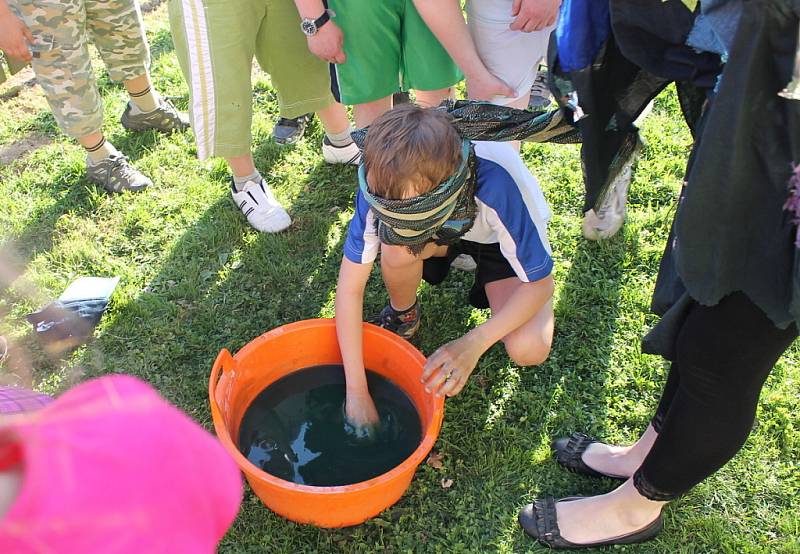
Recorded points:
17,84
23,147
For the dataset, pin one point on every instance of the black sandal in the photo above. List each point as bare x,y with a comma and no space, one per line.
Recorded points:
568,452
540,521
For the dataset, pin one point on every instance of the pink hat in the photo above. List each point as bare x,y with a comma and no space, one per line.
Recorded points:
112,467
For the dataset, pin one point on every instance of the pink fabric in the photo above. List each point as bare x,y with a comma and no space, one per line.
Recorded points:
15,400
112,467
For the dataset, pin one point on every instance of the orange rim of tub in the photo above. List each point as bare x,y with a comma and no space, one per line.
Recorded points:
321,506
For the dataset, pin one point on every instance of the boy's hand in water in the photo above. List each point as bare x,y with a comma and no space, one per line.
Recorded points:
447,370
360,412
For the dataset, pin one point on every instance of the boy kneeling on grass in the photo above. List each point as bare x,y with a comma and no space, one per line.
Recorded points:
425,196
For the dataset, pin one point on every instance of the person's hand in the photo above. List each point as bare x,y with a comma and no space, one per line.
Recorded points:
485,86
14,36
361,414
328,43
447,370
534,15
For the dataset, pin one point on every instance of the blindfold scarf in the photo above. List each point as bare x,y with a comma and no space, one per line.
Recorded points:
441,214
447,212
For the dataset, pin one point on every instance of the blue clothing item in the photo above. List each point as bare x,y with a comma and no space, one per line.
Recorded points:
511,212
716,26
583,28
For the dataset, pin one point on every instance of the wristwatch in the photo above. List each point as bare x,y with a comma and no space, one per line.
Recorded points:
311,26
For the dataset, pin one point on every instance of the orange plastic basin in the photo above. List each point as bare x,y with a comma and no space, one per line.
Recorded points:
236,380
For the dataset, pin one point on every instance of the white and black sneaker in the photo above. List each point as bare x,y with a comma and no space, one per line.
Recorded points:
541,97
347,154
609,217
263,212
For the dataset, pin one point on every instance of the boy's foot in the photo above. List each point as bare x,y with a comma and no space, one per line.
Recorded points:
165,118
263,212
288,131
540,92
116,174
347,154
403,323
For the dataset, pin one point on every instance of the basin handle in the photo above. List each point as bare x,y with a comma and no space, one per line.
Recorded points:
220,382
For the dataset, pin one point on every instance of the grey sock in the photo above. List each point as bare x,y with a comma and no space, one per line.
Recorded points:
341,139
240,182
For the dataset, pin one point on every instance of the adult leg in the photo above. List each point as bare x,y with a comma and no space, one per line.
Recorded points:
625,460
530,344
725,353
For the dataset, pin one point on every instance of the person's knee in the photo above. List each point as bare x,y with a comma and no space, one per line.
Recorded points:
396,257
526,349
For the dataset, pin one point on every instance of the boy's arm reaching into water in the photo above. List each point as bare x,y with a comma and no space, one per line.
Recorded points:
359,407
447,369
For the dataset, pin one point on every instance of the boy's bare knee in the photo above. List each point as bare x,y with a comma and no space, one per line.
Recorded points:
396,257
526,350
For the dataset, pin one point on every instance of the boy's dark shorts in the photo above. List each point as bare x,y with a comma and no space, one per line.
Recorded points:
492,266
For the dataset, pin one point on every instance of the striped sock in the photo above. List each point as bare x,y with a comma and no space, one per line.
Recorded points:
101,151
145,101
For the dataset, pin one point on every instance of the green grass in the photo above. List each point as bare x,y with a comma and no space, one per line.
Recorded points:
196,278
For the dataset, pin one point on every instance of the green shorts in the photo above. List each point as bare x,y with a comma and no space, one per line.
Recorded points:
216,40
388,47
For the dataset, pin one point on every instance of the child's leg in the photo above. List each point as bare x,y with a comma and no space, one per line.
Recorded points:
529,344
432,98
334,119
64,71
368,112
402,272
215,44
117,31
302,80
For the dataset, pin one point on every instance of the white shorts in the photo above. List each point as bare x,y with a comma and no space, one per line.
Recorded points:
512,56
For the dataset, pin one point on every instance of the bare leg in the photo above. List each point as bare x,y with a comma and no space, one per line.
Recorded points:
242,166
365,114
530,343
334,118
402,272
138,84
619,512
88,141
620,460
432,98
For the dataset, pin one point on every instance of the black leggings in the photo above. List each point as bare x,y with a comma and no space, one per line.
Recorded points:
723,356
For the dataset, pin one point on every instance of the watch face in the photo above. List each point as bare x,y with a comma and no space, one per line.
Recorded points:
308,27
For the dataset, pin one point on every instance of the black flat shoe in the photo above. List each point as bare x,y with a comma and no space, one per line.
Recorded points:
568,452
540,521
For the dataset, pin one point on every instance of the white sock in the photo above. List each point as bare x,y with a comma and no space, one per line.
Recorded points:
240,182
341,139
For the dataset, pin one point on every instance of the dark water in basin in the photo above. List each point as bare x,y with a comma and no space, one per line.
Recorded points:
295,429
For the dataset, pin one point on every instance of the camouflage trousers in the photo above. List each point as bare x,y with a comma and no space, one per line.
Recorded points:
62,31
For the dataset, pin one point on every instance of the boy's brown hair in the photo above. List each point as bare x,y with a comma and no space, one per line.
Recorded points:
409,151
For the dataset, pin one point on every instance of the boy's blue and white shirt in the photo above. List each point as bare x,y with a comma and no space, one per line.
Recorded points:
512,212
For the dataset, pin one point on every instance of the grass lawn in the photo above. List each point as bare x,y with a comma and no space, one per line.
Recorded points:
196,278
